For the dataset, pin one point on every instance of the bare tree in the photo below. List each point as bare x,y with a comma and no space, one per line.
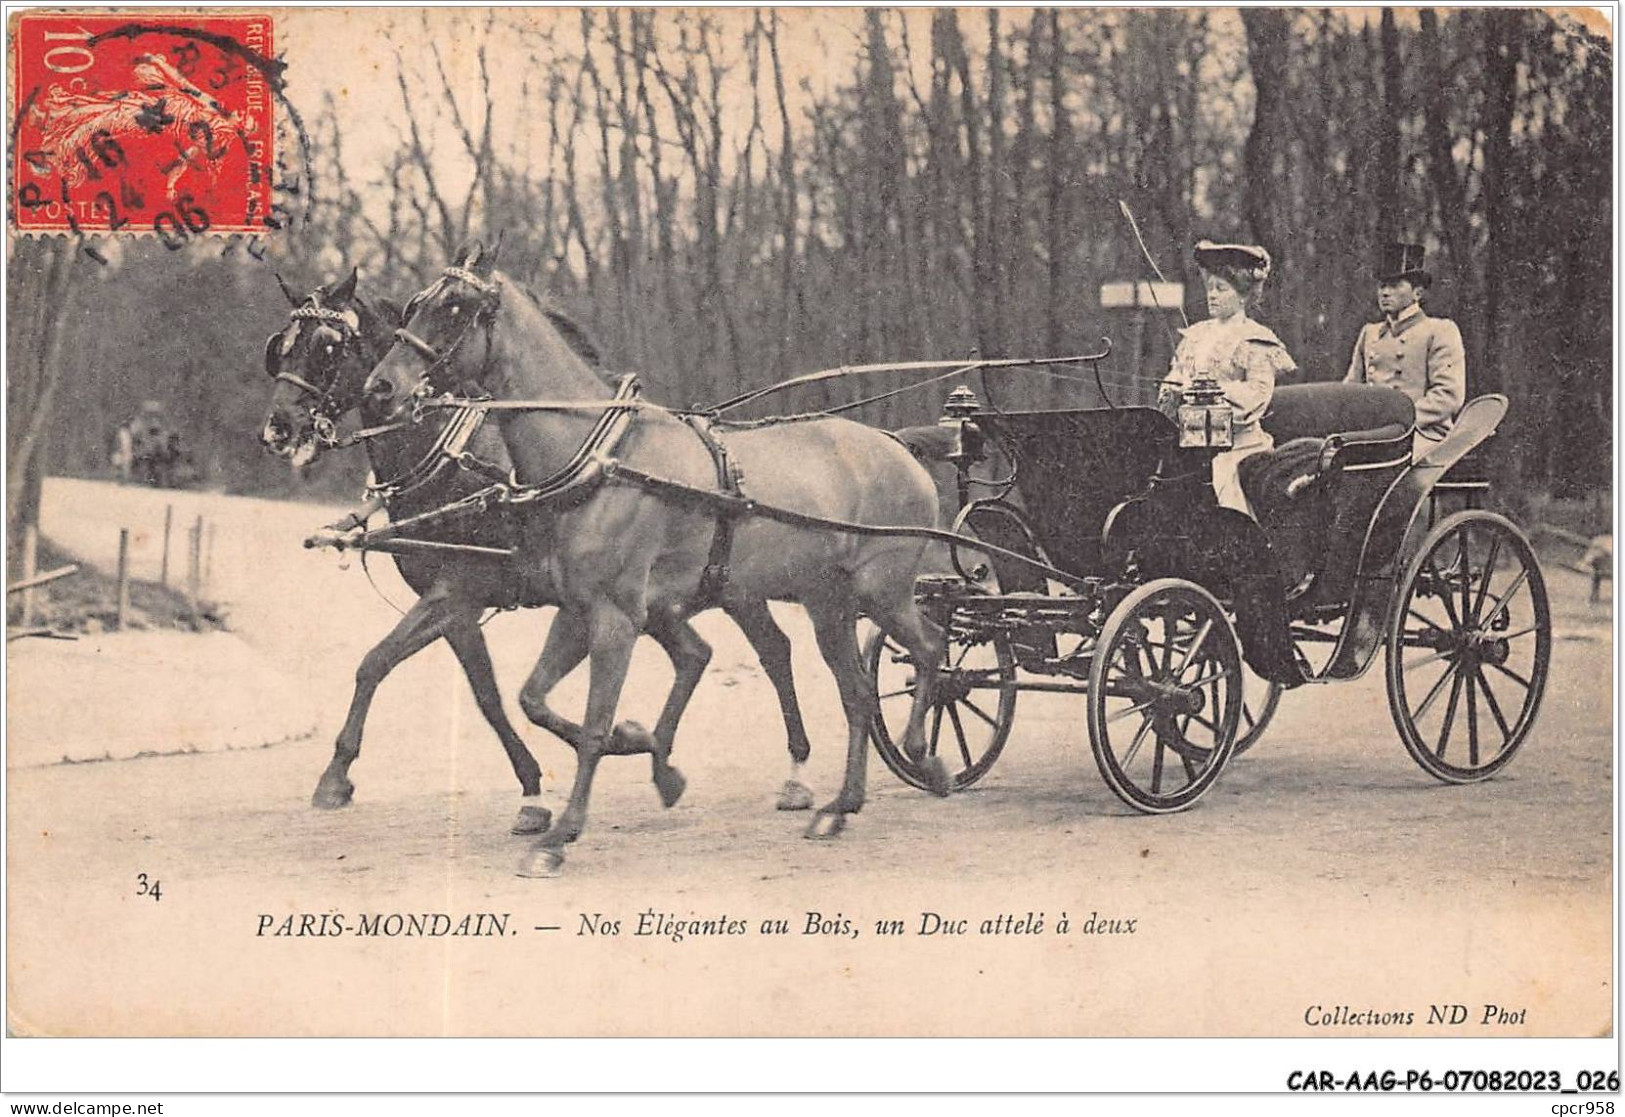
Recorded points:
1502,31
1058,158
43,295
789,290
1268,32
1386,126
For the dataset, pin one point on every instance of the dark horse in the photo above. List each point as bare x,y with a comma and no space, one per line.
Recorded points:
320,362
625,559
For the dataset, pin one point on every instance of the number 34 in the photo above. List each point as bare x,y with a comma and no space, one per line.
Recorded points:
145,887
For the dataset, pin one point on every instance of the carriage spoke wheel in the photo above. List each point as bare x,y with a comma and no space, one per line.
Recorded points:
1165,696
968,720
1469,647
1259,700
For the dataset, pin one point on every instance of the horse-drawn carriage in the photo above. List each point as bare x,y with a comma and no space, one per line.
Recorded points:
1117,577
1180,622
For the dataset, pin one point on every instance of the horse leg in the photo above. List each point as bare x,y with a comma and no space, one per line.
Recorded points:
564,649
772,648
901,619
423,624
835,621
611,636
468,642
689,656
567,645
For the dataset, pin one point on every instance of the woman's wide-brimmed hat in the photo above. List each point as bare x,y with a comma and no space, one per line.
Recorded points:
1403,262
1244,259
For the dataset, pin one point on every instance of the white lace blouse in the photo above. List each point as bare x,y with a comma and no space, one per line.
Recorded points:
1244,356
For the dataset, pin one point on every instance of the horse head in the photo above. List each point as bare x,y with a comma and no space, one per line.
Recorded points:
444,339
320,362
449,342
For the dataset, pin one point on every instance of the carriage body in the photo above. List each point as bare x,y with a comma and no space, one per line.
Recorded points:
1181,622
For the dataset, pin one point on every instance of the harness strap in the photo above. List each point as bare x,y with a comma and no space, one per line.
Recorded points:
584,472
448,448
715,577
367,433
301,383
601,441
616,404
728,504
417,344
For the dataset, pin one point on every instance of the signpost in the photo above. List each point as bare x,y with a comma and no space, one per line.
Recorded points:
1139,297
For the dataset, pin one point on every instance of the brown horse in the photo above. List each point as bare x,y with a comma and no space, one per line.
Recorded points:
624,557
320,362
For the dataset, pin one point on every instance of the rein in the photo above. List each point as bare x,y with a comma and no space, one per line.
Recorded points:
841,372
954,368
465,404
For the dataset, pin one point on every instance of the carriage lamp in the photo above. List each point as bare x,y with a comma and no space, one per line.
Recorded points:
1204,416
956,416
962,403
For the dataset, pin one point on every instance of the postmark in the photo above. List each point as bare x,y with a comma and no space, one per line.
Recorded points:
144,123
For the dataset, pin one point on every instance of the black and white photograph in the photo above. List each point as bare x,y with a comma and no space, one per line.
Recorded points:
750,523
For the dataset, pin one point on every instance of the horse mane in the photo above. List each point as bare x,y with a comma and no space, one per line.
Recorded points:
576,336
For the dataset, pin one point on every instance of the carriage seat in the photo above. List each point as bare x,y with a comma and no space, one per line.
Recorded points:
1352,414
1337,447
1321,430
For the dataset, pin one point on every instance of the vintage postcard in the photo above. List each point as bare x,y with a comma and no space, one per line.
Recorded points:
1086,523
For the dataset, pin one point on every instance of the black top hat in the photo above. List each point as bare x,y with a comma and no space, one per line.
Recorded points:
1244,258
1403,261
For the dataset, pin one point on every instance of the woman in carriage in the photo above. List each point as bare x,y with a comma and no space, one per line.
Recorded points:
1243,356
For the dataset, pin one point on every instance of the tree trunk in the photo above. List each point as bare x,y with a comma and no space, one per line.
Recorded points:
47,301
970,116
784,334
998,170
1055,223
1449,184
1501,35
1268,42
1388,159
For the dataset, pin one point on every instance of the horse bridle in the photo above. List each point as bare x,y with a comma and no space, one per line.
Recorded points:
321,409
484,316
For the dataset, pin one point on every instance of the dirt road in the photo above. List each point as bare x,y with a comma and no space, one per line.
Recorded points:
1325,872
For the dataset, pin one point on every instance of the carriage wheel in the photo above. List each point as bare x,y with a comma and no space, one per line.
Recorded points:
1469,647
1259,700
1165,695
970,715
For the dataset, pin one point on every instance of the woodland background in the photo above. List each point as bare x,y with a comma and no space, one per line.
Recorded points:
719,223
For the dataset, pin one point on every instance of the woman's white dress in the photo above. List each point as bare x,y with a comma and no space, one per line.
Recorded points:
1244,357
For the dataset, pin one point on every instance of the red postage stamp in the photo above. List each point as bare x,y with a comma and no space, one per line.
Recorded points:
142,122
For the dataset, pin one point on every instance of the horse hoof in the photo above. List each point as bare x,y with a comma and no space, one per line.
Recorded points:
671,785
826,825
560,834
936,777
532,820
630,737
330,797
794,796
541,862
